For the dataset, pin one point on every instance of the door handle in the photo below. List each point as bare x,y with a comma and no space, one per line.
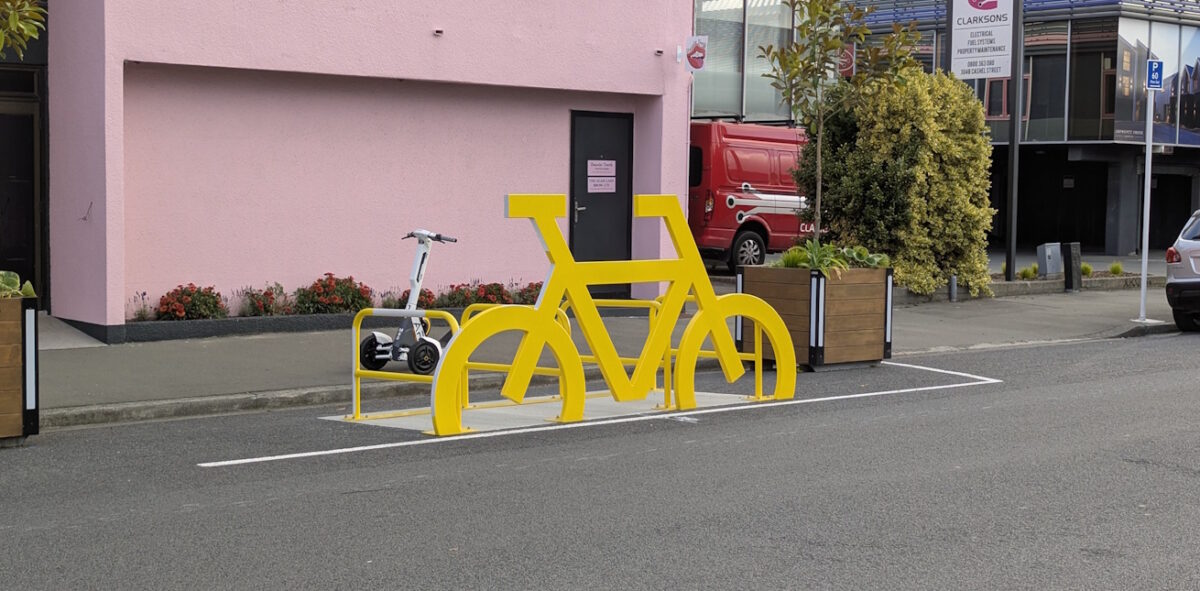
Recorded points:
578,208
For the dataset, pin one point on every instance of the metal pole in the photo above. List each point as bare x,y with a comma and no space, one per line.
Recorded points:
1146,195
1016,100
948,54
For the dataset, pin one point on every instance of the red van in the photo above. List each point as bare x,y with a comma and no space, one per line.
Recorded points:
742,202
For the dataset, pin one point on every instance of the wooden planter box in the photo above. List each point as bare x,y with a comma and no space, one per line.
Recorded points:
844,319
18,367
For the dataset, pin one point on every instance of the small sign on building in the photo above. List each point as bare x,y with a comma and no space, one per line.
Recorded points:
1154,74
696,50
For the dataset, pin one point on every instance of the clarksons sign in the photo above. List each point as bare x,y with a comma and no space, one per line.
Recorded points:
981,39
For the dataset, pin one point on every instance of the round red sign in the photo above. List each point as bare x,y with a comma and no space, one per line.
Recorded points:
695,55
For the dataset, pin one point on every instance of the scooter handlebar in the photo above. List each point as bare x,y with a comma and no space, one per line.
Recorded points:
427,235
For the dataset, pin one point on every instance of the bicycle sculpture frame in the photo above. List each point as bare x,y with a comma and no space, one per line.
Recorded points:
686,276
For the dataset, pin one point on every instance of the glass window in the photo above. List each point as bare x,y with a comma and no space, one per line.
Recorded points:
1093,74
768,22
18,81
696,167
717,89
995,97
1164,45
1191,231
1189,87
1046,66
924,51
1133,49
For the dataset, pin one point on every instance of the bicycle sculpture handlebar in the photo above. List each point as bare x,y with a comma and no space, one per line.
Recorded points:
570,279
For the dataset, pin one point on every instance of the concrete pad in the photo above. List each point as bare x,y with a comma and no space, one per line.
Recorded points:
54,334
495,416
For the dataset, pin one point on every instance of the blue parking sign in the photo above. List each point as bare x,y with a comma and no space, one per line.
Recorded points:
1154,81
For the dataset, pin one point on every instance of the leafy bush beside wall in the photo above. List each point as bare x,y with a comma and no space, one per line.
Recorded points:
908,175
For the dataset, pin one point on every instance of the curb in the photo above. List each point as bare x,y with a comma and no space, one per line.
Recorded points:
201,406
1147,330
1001,289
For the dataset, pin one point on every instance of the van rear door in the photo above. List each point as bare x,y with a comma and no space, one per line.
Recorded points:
787,221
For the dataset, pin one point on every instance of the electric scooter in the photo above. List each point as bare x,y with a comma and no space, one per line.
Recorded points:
412,343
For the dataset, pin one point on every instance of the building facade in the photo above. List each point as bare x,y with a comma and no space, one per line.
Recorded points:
233,145
1083,122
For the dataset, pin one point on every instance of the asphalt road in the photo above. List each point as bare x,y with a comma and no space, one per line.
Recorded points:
1080,470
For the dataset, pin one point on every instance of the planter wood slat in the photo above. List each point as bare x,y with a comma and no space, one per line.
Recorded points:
860,353
842,319
18,367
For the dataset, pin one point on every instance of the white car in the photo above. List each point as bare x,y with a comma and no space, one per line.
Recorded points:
1183,276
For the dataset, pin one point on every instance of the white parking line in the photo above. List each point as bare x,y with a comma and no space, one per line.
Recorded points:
979,381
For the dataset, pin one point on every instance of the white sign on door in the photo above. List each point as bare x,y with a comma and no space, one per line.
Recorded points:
981,39
602,167
602,184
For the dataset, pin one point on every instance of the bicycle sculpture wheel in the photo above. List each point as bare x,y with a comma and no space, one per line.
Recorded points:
570,279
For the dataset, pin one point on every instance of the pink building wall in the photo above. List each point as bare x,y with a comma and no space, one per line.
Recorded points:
240,148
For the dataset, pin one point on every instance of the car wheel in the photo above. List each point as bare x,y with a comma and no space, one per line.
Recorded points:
748,249
1186,321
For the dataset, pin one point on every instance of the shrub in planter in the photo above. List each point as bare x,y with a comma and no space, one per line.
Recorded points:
189,302
1085,269
462,295
1115,269
834,301
332,295
424,301
272,301
528,294
906,172
18,385
11,286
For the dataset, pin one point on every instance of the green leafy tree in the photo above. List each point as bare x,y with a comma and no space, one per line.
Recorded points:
914,183
20,21
805,70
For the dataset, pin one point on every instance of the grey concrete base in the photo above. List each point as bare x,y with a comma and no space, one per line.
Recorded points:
538,412
11,442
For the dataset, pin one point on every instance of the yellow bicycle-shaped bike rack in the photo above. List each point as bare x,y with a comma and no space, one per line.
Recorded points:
541,323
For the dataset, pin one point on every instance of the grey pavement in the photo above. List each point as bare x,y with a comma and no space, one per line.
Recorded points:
208,376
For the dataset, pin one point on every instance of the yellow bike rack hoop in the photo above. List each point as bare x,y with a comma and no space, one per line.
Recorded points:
360,373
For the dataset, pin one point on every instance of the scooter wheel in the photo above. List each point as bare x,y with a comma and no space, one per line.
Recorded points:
367,351
423,357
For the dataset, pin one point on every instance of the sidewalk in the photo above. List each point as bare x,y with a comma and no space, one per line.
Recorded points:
135,381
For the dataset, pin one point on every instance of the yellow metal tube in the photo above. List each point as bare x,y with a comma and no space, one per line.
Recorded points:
360,373
393,376
758,362
505,367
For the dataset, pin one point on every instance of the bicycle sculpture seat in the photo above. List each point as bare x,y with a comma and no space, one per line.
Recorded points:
685,276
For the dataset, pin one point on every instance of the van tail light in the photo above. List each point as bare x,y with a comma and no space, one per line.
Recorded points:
1173,256
708,206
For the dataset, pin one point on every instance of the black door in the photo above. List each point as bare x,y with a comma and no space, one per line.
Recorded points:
601,209
17,196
